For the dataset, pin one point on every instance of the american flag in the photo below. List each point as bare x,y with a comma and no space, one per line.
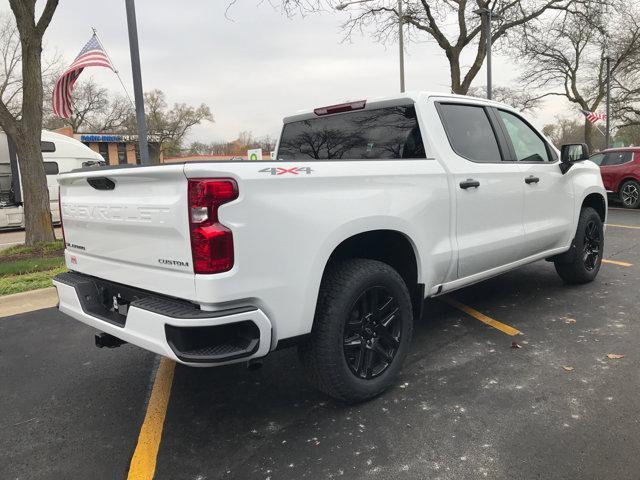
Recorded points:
594,117
92,55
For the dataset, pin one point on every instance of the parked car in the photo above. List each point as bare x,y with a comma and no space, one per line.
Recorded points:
620,170
370,208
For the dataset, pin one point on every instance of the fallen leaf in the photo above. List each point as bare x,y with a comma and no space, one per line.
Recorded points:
569,321
568,369
515,345
614,356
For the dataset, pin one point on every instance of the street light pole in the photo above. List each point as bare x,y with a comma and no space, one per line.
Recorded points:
137,82
487,31
401,43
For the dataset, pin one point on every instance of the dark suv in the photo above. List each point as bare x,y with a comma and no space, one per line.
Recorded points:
620,170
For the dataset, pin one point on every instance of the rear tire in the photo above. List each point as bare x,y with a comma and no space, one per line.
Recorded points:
630,194
361,332
587,247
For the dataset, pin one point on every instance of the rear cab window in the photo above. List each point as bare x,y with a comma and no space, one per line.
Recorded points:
377,134
470,132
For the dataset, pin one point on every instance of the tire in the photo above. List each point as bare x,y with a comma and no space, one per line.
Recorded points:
343,356
587,248
629,194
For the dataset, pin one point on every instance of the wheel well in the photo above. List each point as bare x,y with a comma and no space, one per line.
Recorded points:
390,247
596,201
626,180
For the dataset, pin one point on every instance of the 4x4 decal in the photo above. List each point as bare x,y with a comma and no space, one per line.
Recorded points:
285,171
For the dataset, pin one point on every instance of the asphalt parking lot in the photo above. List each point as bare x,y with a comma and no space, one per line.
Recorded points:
467,404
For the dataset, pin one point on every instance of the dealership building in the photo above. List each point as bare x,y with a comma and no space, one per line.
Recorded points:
119,149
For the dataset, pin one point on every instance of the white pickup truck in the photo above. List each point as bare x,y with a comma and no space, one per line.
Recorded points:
370,208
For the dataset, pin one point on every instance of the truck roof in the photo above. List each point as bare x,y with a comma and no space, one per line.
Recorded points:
393,100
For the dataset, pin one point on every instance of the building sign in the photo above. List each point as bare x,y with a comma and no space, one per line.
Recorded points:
98,138
102,138
255,154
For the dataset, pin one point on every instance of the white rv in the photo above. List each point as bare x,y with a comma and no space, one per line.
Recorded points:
60,153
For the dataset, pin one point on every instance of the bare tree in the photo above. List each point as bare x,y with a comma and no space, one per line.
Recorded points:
25,127
567,57
94,109
519,99
568,130
454,25
171,125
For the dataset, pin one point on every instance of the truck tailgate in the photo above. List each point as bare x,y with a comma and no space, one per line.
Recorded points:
130,225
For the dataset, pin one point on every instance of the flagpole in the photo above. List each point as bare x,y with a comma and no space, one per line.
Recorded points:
137,82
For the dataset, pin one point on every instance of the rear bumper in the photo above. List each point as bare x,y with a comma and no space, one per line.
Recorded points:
171,328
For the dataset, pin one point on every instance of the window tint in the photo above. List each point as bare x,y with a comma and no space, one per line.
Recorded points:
122,154
470,132
597,158
47,147
527,143
51,168
616,158
384,133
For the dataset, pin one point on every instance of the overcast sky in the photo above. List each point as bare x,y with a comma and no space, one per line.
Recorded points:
255,68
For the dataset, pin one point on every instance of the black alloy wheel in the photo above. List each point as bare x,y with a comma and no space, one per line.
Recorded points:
372,333
592,246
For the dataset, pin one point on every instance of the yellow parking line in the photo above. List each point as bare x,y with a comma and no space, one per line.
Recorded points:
143,462
615,262
623,226
482,317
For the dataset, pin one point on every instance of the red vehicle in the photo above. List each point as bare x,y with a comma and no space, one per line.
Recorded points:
620,170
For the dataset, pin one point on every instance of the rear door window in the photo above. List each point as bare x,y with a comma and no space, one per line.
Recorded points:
616,158
378,134
470,133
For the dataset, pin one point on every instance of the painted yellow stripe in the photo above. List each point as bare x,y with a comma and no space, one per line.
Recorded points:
624,209
482,317
634,227
615,262
143,463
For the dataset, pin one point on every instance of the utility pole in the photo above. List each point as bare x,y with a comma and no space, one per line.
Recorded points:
137,82
401,43
487,31
608,142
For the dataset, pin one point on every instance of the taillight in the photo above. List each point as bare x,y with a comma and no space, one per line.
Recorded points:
211,242
64,241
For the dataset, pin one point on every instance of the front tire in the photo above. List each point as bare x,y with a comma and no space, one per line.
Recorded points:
361,332
630,194
587,246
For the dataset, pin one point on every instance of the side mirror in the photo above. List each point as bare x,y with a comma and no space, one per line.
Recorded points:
572,153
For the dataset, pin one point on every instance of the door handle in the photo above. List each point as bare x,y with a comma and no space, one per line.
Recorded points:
531,179
469,183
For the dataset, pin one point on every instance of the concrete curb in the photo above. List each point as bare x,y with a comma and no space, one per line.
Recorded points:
28,301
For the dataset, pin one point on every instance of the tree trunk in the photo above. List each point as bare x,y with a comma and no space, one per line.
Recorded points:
37,210
588,135
454,68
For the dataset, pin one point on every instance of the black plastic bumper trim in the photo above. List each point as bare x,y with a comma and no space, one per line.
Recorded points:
145,300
